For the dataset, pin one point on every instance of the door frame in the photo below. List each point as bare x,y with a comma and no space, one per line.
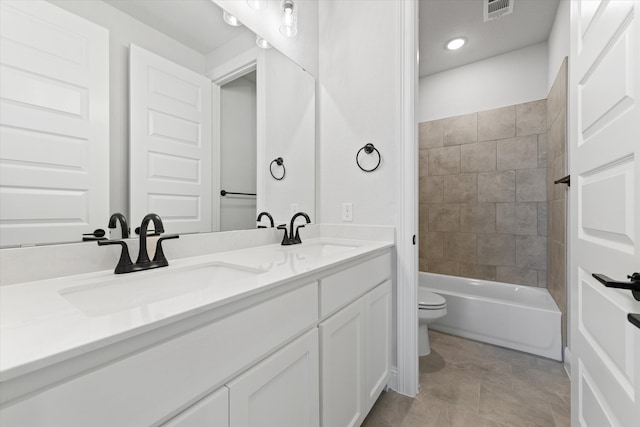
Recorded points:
240,65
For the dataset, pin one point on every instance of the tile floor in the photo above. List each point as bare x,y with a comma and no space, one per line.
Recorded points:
468,383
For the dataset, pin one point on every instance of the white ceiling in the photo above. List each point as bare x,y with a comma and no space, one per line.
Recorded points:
194,23
442,20
199,24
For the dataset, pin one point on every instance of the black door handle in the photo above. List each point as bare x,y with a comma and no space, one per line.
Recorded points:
633,285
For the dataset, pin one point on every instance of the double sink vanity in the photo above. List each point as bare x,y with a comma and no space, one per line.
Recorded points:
270,335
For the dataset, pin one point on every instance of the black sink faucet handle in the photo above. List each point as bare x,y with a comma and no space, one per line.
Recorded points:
124,263
159,256
285,239
297,238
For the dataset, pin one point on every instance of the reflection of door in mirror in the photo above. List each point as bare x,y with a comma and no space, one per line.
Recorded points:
54,136
170,143
238,149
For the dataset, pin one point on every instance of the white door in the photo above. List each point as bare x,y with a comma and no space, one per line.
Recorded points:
342,367
604,152
377,327
54,124
281,391
170,143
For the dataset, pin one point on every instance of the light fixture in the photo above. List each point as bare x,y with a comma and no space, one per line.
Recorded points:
230,19
262,43
289,25
455,43
257,4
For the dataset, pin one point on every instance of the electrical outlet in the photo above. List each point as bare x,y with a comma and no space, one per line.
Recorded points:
294,209
347,212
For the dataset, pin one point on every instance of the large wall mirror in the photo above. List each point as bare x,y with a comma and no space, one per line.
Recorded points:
259,107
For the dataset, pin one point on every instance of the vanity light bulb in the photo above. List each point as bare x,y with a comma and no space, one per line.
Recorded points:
257,4
262,43
289,25
231,20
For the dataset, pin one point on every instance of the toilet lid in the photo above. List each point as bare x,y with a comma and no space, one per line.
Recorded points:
428,299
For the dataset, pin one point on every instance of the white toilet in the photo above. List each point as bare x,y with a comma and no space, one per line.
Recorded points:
431,307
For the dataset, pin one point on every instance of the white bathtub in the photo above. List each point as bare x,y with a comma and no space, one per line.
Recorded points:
518,317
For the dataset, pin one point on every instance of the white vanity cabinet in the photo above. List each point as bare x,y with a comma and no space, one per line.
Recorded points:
282,391
212,411
355,342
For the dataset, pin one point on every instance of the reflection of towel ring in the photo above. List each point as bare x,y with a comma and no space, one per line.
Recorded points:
278,162
368,149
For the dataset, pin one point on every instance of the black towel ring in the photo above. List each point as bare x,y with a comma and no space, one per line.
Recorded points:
368,149
278,162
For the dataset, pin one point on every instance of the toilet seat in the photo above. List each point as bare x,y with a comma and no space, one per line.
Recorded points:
430,301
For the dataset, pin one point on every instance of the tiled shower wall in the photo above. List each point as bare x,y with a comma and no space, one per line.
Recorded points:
483,195
557,194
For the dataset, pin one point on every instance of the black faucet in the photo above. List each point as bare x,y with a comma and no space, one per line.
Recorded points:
268,215
124,226
143,262
291,238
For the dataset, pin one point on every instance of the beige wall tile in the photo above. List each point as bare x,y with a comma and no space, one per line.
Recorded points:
431,134
542,150
432,245
557,267
542,219
443,267
461,129
478,218
423,163
478,157
531,117
531,185
557,221
444,217
475,271
531,252
444,161
557,136
499,123
460,247
558,170
542,278
423,217
517,276
431,189
518,153
496,249
422,264
497,186
460,188
517,218
557,99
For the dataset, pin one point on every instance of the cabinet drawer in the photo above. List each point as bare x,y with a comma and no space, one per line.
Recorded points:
212,411
341,288
146,387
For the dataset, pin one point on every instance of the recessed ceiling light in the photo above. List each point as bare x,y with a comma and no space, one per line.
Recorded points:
230,19
456,43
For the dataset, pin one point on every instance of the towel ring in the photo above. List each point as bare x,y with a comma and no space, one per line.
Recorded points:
279,162
368,149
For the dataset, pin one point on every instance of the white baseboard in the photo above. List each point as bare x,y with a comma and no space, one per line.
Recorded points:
567,361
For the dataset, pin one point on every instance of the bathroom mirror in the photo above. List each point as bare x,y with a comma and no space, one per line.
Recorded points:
263,108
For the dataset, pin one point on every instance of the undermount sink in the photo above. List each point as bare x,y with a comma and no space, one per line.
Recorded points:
122,292
323,249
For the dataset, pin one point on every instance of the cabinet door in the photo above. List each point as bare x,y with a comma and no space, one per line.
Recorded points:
282,391
212,411
342,367
377,309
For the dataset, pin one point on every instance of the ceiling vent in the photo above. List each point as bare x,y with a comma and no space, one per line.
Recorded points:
494,9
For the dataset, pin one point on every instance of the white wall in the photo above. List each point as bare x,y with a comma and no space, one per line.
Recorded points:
511,78
558,43
124,30
359,60
303,48
238,149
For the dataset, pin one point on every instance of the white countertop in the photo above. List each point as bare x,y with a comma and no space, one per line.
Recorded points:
48,321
